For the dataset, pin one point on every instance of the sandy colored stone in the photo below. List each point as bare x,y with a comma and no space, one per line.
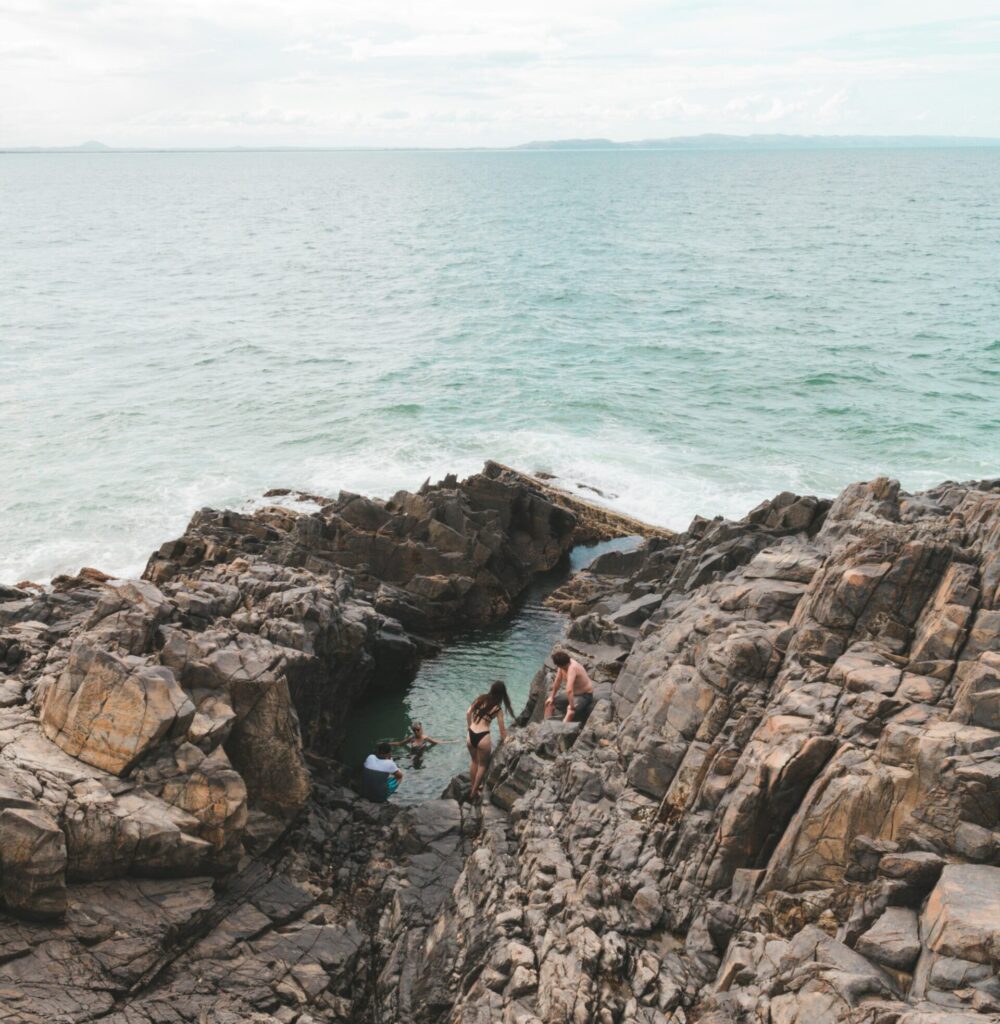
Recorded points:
962,915
108,712
894,939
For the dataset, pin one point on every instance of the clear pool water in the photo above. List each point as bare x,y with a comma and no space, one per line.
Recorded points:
512,650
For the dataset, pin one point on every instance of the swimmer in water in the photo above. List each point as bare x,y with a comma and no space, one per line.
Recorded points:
417,740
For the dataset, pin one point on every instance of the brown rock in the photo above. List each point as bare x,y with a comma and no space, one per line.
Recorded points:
109,712
32,863
962,915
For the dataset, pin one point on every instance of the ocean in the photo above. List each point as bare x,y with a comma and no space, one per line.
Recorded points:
688,332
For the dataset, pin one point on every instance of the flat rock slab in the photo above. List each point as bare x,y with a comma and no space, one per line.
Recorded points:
635,613
894,939
429,824
962,916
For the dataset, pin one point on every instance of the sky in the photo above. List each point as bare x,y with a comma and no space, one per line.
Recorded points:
467,73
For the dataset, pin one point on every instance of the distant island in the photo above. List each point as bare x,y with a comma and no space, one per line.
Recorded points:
678,142
717,141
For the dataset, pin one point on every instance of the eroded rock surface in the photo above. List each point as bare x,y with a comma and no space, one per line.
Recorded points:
145,722
787,793
784,807
450,555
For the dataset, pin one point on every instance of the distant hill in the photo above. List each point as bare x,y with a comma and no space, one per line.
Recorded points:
715,141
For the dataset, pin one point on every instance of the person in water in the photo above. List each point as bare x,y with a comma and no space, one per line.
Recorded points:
381,761
417,740
479,718
579,688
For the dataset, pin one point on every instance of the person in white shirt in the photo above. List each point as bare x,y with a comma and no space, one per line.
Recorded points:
380,761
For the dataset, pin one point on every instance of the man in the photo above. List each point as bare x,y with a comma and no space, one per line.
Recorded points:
381,762
579,688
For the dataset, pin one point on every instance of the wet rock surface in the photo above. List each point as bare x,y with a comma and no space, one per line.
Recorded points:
784,807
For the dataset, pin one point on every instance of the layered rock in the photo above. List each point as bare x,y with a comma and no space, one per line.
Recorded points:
784,807
450,555
146,724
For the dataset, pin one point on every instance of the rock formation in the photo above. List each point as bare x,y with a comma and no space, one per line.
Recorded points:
783,809
446,557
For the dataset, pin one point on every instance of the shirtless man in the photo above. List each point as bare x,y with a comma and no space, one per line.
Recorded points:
579,688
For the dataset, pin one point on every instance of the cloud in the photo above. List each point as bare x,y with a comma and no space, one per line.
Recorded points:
832,108
443,72
28,51
763,109
676,108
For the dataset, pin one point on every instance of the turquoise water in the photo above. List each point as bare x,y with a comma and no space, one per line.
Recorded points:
445,686
689,332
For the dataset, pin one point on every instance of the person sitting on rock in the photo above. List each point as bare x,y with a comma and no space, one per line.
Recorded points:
479,718
579,688
381,764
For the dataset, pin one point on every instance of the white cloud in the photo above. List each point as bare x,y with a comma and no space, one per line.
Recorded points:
832,109
444,72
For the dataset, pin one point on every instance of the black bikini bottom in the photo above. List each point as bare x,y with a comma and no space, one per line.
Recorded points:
476,737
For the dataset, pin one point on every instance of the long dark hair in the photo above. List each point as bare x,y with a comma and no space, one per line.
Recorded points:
486,704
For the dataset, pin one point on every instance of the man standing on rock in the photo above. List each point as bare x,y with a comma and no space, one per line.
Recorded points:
579,688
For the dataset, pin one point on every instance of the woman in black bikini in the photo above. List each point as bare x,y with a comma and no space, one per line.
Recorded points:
479,718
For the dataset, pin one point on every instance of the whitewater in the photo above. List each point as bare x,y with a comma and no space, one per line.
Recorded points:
689,333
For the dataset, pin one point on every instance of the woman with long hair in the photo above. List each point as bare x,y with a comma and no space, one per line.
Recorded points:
479,718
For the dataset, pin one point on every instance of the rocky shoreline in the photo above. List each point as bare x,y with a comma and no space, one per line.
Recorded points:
785,807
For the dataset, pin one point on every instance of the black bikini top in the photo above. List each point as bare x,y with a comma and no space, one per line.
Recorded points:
484,717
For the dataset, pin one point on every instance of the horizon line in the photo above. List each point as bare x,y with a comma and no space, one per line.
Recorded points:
708,139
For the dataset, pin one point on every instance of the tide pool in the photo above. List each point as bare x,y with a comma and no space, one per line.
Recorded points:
512,650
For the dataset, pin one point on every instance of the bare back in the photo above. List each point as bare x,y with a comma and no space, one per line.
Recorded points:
481,722
577,680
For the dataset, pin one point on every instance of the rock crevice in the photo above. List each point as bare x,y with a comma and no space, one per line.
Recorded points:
784,807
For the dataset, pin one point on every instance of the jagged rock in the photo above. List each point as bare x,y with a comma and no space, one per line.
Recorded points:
962,915
893,940
791,761
450,555
32,863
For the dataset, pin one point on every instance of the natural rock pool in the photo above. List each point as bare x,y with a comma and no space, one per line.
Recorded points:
512,650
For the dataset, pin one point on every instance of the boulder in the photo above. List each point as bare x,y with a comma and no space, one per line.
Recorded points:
894,939
32,863
635,612
109,711
962,915
136,832
918,871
